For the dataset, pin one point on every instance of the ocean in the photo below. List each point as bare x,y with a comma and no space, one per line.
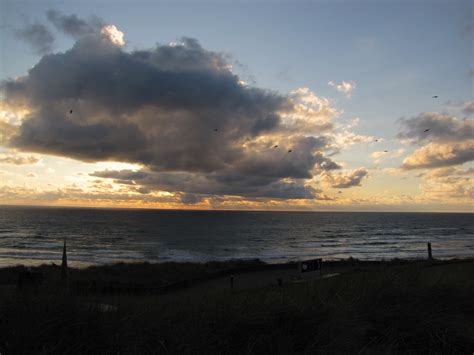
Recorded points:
34,235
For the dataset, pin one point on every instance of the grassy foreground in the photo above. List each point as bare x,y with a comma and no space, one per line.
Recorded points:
416,307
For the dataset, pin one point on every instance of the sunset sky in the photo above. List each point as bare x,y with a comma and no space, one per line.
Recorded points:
269,105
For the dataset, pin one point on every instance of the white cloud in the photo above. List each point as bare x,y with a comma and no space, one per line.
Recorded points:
346,87
435,155
113,34
347,138
445,140
445,184
310,114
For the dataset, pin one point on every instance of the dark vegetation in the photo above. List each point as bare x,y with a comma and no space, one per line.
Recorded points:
415,307
137,278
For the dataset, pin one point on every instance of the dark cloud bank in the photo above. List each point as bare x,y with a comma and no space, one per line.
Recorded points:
176,109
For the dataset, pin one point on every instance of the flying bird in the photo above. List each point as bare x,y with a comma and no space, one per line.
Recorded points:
435,97
289,151
276,146
215,129
376,140
70,112
426,130
385,151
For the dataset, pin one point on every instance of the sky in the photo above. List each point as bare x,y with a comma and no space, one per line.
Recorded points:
265,105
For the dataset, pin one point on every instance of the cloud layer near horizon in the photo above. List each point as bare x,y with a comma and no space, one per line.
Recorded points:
177,110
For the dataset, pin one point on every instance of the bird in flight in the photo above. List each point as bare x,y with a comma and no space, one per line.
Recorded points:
426,130
435,97
385,151
215,129
70,112
289,151
275,146
376,140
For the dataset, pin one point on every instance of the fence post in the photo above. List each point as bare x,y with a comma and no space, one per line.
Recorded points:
430,255
64,265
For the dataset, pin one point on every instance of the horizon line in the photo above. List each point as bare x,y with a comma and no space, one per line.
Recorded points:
226,210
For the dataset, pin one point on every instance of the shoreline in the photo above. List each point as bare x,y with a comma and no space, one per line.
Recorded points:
76,264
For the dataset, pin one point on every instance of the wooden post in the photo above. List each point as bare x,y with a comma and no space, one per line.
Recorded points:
64,264
430,255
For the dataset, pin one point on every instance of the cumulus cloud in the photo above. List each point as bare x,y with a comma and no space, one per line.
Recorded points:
346,87
309,113
73,25
347,138
344,136
17,159
345,180
38,37
435,155
450,183
178,111
442,128
445,140
113,34
468,107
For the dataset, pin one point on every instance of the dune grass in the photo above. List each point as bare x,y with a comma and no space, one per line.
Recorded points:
414,308
144,274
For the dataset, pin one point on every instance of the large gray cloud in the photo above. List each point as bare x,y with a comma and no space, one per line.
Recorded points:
449,141
38,37
442,128
73,25
249,186
176,109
